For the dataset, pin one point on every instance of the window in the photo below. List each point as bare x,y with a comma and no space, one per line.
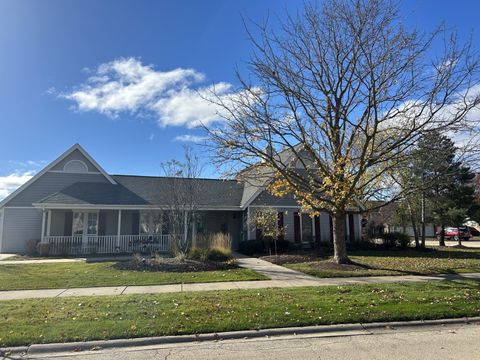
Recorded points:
156,219
92,224
165,224
78,223
152,223
85,223
307,228
200,222
144,223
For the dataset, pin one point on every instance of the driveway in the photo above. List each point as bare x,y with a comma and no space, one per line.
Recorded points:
471,243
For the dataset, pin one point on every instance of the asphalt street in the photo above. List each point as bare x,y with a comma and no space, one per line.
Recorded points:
439,342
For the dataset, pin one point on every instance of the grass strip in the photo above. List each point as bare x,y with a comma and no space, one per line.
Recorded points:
88,318
70,275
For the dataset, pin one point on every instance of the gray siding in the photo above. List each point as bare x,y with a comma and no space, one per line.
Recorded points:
20,225
111,222
231,221
126,227
57,224
324,225
75,155
50,183
287,222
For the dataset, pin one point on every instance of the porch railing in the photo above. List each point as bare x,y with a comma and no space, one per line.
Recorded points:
108,244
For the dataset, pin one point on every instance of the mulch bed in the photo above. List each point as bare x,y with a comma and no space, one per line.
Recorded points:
321,264
293,258
172,265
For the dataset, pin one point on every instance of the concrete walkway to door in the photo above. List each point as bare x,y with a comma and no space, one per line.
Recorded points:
274,272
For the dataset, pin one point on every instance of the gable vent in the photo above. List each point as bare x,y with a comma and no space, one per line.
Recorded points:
77,166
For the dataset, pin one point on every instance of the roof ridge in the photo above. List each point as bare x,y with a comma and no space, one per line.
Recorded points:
173,177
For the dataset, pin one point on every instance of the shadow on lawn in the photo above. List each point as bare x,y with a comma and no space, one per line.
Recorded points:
441,253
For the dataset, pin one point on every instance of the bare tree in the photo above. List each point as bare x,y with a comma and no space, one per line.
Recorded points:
184,192
347,89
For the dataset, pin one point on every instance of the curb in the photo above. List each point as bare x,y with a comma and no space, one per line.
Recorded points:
339,330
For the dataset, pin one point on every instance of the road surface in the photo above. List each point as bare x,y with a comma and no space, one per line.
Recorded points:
440,342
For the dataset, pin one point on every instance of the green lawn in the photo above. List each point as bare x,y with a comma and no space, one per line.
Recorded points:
397,262
79,274
87,318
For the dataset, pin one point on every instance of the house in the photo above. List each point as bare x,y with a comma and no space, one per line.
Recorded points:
78,208
385,220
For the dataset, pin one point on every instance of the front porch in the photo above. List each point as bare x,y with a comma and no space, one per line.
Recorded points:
107,244
126,231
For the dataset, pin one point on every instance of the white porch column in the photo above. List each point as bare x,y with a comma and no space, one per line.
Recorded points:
49,222
43,226
248,223
119,227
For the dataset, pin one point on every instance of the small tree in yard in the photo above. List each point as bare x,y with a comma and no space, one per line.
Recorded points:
459,203
266,220
348,91
183,195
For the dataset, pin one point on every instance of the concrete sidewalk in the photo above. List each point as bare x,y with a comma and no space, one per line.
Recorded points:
232,285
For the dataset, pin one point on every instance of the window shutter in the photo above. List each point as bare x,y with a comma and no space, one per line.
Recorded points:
102,223
135,222
67,225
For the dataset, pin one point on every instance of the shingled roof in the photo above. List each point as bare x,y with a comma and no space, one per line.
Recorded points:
147,190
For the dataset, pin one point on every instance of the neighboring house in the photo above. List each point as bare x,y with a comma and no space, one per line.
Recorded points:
383,221
76,207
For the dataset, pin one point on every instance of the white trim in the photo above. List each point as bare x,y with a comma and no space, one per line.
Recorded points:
127,207
51,165
75,172
119,227
254,196
43,226
2,222
18,207
277,206
92,160
248,223
49,224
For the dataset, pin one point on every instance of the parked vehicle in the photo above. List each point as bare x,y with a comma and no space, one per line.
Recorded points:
474,231
454,233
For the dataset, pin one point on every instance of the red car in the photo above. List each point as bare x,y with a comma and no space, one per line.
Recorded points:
452,233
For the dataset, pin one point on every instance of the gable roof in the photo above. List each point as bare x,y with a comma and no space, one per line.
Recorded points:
75,147
147,191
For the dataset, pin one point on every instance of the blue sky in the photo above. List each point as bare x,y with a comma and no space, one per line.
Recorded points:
51,73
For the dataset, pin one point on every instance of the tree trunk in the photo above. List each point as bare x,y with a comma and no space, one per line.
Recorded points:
423,210
414,225
459,237
339,244
441,242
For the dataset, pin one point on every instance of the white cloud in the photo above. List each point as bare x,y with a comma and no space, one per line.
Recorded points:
10,183
190,138
174,98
